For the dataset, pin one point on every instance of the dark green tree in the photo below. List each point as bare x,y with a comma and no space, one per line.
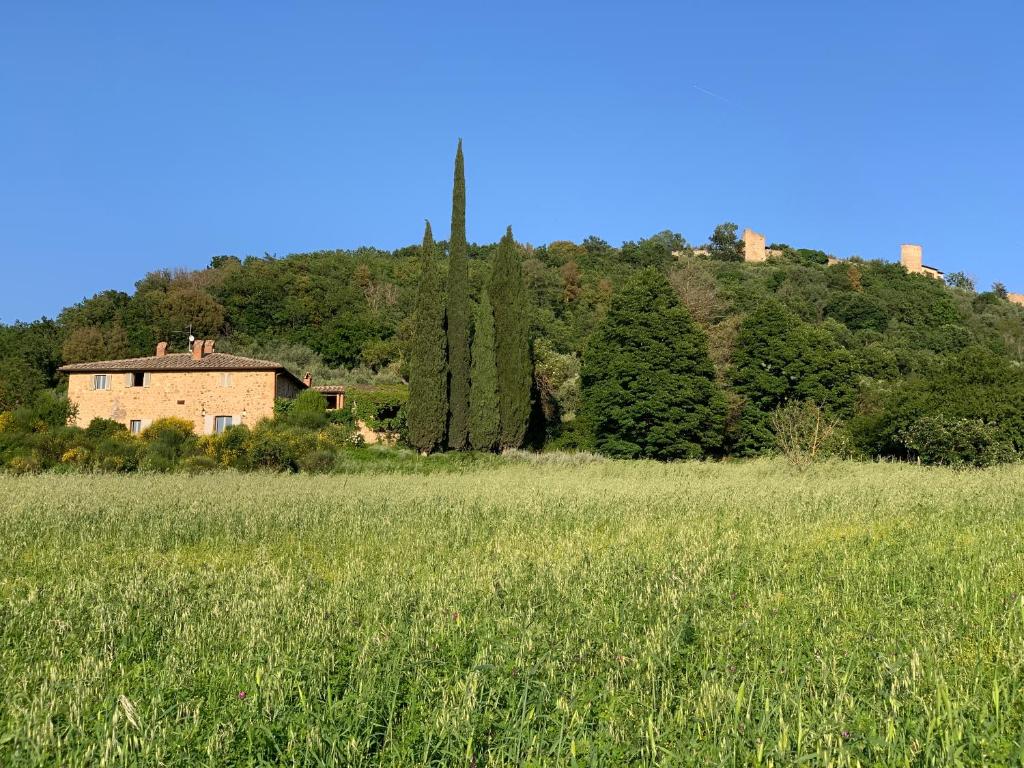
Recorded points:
778,360
428,383
483,396
724,244
648,385
458,314
511,342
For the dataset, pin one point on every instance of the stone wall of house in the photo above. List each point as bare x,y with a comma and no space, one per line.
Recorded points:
197,396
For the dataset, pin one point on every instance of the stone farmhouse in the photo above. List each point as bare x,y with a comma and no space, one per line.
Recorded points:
211,389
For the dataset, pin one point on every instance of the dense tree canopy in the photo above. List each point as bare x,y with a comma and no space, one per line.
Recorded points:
648,384
864,339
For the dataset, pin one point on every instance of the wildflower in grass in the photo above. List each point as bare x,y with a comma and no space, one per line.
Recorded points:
241,694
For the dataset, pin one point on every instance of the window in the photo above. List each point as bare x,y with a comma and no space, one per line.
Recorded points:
100,381
225,379
220,423
138,379
135,426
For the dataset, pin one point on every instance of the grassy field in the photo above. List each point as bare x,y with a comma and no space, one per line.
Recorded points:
532,613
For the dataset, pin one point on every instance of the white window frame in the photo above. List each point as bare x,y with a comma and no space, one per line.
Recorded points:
225,379
132,424
221,424
100,377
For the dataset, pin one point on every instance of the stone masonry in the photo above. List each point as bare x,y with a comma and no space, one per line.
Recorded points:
753,246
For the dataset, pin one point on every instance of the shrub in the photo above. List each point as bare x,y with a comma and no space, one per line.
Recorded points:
318,461
198,464
117,454
99,429
308,410
230,448
168,441
957,442
804,433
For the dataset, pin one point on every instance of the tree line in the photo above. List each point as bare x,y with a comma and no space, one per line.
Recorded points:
652,348
469,383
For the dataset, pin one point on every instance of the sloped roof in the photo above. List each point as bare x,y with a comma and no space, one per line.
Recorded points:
178,361
330,389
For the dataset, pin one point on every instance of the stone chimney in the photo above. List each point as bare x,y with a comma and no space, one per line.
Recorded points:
197,349
308,379
910,257
208,347
161,349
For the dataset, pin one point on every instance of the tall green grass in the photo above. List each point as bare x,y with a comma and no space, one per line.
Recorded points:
521,613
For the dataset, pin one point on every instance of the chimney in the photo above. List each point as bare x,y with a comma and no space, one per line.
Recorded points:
197,349
161,349
308,379
208,347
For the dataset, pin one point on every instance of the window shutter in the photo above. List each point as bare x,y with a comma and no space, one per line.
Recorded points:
92,382
128,379
146,378
208,425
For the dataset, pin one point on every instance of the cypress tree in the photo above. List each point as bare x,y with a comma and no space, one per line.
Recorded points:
458,315
428,383
648,385
483,395
511,343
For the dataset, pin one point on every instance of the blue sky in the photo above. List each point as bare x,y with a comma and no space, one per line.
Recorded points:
137,136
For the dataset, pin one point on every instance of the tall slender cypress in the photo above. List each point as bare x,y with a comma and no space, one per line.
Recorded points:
511,343
428,382
483,396
458,315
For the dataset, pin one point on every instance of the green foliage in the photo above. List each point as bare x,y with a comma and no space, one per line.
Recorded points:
382,408
648,385
428,372
779,359
307,410
960,280
458,315
167,441
483,396
724,244
957,442
511,343
19,382
976,386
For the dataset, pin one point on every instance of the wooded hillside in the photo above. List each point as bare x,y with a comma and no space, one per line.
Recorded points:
882,349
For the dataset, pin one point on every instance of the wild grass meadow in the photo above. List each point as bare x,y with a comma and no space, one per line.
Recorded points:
515,613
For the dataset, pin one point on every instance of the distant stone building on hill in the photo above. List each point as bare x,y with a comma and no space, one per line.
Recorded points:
910,258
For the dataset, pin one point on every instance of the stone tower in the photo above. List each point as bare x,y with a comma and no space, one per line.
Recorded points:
910,258
753,246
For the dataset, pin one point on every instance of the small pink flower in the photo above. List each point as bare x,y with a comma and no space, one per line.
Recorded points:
241,694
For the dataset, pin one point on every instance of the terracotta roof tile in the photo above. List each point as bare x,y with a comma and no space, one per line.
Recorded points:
330,389
179,361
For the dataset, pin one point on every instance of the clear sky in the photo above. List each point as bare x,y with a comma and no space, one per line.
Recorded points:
144,135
